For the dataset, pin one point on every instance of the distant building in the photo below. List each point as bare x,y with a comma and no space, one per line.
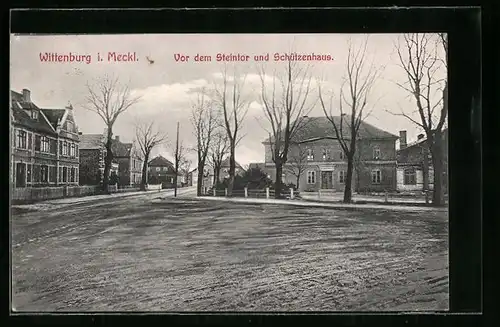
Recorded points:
224,169
126,162
208,178
92,154
316,148
161,170
414,168
44,144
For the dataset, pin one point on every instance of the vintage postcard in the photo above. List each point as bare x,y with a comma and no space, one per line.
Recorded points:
229,172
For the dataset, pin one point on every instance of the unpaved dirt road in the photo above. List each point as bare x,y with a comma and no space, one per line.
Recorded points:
190,255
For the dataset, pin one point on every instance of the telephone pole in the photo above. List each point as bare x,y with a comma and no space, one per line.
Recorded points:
176,161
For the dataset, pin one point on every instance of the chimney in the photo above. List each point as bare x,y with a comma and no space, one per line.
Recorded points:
80,133
26,95
402,139
420,136
117,138
69,106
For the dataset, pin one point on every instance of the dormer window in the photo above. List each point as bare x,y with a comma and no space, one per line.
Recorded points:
34,114
326,154
376,152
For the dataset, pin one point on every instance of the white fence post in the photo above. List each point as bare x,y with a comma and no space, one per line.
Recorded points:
215,192
386,197
246,192
319,193
225,191
291,193
267,192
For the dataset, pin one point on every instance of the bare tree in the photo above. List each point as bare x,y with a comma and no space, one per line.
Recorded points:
285,103
234,109
354,94
147,138
204,122
108,98
180,152
297,163
420,59
219,148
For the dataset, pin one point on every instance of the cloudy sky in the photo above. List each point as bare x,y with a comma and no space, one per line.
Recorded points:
166,86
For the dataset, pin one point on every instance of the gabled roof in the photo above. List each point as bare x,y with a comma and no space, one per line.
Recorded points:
21,117
160,161
316,128
225,164
54,115
120,149
91,141
259,165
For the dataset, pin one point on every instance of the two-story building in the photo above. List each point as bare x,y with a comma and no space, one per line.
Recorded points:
324,165
414,169
44,144
130,162
92,154
161,170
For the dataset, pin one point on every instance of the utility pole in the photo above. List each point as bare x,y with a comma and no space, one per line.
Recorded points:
176,161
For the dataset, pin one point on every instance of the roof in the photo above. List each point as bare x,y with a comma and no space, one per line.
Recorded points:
422,140
54,115
91,141
225,164
21,117
160,161
120,149
315,128
258,165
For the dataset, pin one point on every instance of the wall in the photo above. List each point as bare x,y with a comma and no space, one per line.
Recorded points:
46,193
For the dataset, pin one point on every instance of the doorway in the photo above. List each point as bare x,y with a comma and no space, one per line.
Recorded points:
327,180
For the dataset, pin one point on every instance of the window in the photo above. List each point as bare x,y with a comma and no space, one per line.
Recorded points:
30,141
310,154
376,152
311,177
44,174
410,176
341,155
53,146
171,180
28,173
20,174
60,174
65,174
53,174
69,126
342,176
72,174
60,147
157,168
65,148
77,153
34,114
165,168
376,176
45,141
21,139
326,154
37,142
36,174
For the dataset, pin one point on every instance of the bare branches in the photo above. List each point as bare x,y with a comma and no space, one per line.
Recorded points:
285,101
203,119
148,137
419,58
354,96
108,98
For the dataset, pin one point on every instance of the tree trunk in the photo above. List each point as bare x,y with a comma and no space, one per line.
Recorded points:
297,185
107,161
232,169
348,181
278,180
144,178
199,185
437,163
175,179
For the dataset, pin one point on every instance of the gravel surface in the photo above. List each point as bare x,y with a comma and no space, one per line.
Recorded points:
191,255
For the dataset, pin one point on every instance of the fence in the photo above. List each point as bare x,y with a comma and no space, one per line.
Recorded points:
33,194
154,187
266,193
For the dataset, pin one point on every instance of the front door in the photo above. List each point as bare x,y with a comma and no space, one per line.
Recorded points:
327,179
20,174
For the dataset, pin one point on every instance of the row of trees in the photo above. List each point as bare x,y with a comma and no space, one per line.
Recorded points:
287,98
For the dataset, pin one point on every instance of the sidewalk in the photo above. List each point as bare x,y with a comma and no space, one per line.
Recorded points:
310,203
83,199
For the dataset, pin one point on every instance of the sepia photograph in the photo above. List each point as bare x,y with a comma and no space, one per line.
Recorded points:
229,172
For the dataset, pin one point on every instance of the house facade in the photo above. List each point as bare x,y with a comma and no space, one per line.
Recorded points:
208,179
161,170
44,144
414,168
316,158
92,154
130,162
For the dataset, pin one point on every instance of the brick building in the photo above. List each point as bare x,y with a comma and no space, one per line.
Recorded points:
317,152
161,170
44,144
414,169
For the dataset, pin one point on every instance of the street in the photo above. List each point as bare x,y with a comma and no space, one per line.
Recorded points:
186,254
